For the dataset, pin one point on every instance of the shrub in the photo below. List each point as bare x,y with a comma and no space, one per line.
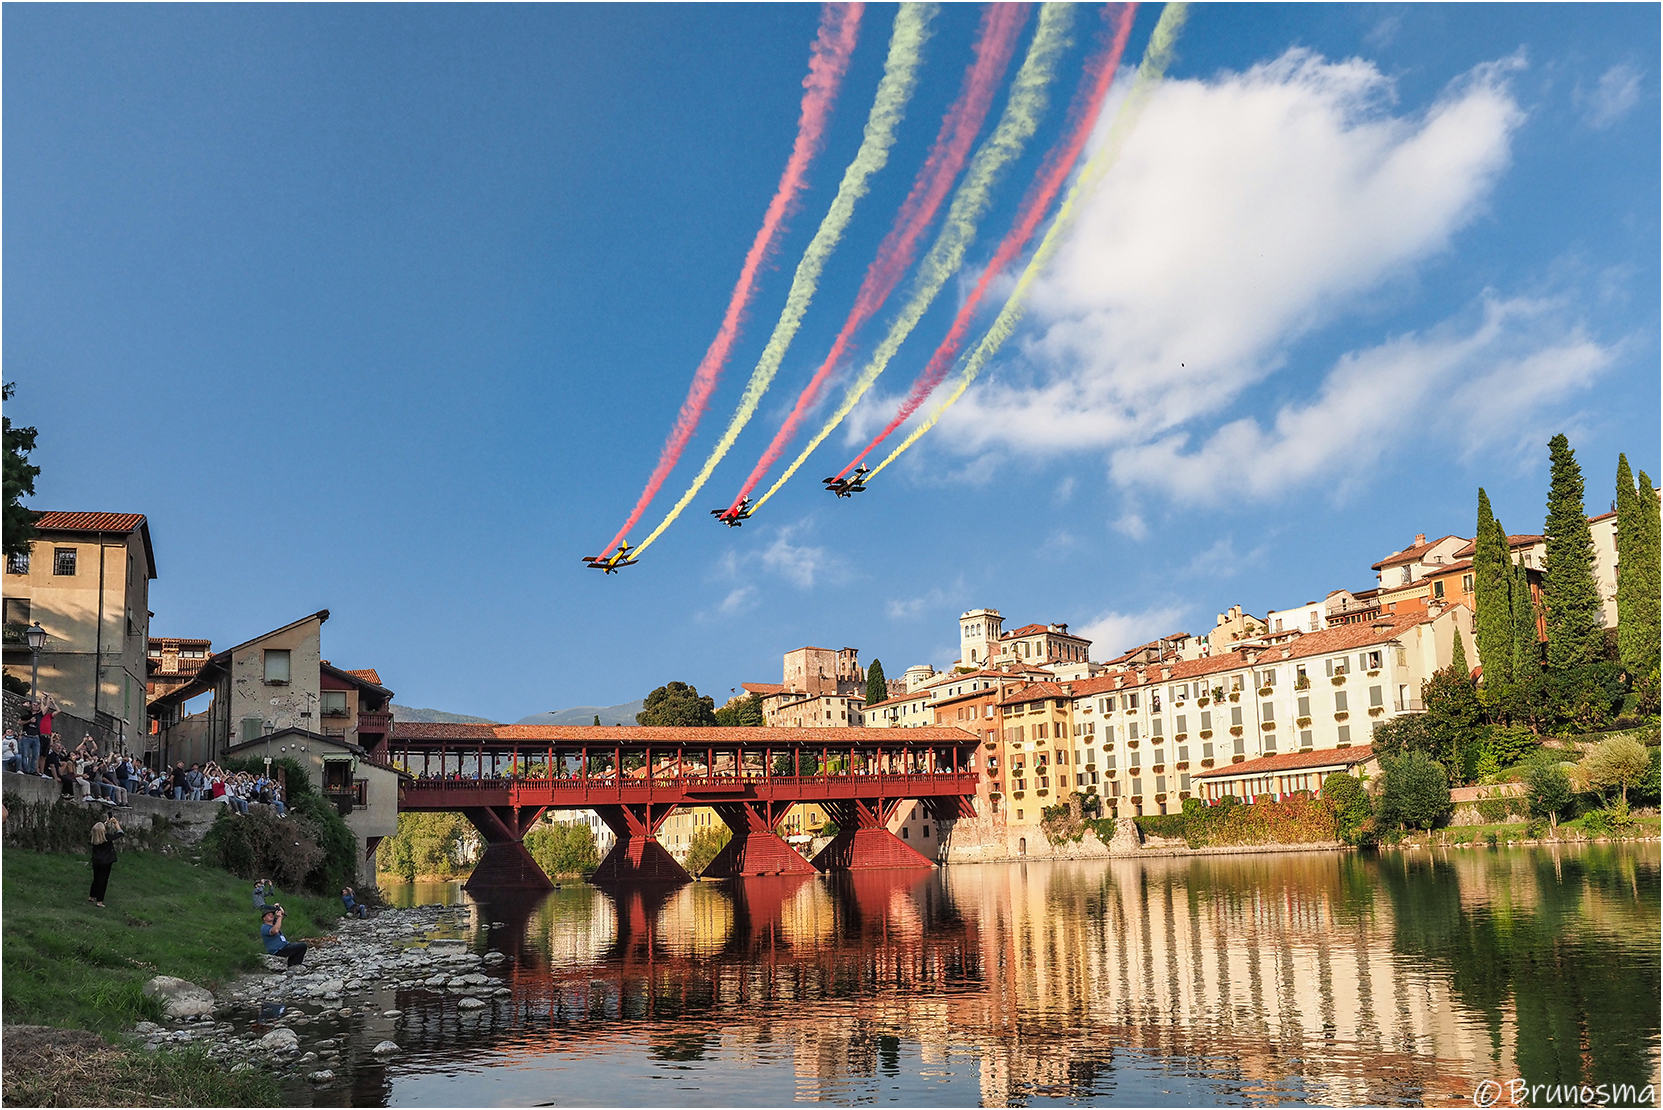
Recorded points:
1496,810
1549,791
1169,825
434,844
264,846
1351,805
564,849
1415,791
1619,762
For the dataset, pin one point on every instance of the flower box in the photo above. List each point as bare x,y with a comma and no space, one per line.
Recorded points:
1303,722
1235,695
1205,734
1180,736
1338,680
1377,711
1266,691
1342,715
1203,702
1235,730
1206,763
1375,673
1268,726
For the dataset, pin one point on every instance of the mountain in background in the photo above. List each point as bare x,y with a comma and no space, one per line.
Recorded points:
438,717
585,715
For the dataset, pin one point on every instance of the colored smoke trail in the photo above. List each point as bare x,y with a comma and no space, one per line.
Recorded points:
1028,101
995,43
828,61
900,77
1155,60
1059,163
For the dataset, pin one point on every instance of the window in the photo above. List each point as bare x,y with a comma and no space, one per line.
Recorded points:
1372,661
1267,678
63,561
1183,753
1235,716
332,703
1305,739
1108,734
1040,731
1304,707
1133,763
17,563
1206,720
1270,743
1155,728
1438,589
1340,705
277,666
1132,731
1345,734
1376,697
17,611
1131,701
1267,711
1183,782
1466,583
1181,726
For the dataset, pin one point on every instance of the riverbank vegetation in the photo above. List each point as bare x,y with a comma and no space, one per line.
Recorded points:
564,851
71,965
441,847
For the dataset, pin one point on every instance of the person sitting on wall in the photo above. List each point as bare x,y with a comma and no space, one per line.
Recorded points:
9,751
353,906
271,933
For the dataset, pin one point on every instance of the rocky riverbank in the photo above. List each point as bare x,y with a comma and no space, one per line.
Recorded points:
313,1023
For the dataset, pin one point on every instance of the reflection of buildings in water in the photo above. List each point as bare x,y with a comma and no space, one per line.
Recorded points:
1291,976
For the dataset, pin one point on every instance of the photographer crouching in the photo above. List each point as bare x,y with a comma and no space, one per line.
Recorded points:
271,933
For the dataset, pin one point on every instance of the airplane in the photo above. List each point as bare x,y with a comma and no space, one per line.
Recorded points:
611,563
733,518
848,487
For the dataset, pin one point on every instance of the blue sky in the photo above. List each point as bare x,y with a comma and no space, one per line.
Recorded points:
387,310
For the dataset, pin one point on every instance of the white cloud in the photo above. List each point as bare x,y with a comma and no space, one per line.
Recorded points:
1246,211
1113,633
739,599
1476,387
1618,91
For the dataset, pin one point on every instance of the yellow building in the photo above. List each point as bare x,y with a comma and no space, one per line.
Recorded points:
1038,727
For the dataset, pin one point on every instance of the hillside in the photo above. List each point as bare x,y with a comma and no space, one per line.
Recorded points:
439,717
585,715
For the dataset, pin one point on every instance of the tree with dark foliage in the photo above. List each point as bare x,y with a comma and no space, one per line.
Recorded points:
677,705
20,476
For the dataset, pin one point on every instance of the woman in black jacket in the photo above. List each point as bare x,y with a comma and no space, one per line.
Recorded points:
104,835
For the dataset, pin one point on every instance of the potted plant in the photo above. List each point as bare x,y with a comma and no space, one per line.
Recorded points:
1268,726
1377,711
1265,691
1205,734
1342,715
1339,679
1235,730
1303,722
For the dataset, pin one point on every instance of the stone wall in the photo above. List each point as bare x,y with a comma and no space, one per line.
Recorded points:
187,822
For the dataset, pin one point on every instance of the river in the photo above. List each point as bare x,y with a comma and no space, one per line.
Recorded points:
1398,978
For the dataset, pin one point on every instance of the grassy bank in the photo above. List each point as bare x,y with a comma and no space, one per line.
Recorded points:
66,963
1569,832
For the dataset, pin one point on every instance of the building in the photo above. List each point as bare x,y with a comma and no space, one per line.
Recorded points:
86,582
275,697
984,642
1276,777
812,670
1309,617
1232,627
820,688
605,838
1036,731
1403,575
794,710
172,662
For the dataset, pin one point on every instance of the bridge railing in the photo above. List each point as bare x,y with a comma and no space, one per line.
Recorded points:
701,787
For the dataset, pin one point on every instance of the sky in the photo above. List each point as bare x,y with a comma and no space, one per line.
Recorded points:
389,310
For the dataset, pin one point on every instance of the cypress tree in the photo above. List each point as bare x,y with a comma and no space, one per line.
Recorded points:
876,688
1491,584
1574,618
1458,660
1526,634
1638,632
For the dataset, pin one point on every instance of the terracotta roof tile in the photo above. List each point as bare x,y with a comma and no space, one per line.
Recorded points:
598,735
1513,543
763,688
1413,553
89,522
368,675
1293,761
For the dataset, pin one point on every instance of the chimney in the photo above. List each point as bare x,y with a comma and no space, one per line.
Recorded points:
1420,539
1068,689
1166,674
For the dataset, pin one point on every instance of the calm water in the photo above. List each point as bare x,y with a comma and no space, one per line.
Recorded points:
1397,979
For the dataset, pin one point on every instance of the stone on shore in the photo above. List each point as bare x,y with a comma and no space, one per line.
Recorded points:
470,1003
282,1039
180,997
385,1048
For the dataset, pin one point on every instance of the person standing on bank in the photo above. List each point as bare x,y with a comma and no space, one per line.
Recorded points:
271,932
104,835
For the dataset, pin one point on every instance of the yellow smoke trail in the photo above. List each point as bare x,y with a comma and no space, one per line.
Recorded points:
1155,60
900,77
1027,103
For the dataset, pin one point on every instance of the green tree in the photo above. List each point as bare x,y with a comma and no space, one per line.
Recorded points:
597,719
742,712
705,846
677,705
1454,719
1639,632
563,849
1527,642
433,845
876,688
1352,808
1492,587
19,478
1620,762
1548,790
1414,793
1569,592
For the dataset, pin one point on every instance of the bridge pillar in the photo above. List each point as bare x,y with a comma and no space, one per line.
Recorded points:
637,857
505,864
863,840
756,849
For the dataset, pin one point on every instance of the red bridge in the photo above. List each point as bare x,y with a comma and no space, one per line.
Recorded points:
503,778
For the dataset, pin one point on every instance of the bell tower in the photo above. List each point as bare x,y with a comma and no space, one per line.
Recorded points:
979,632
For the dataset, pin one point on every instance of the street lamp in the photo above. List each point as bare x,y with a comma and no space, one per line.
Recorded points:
36,637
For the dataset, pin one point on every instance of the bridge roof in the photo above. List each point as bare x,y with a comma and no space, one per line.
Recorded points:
636,735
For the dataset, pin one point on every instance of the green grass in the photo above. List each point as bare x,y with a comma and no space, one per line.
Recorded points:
66,963
1568,830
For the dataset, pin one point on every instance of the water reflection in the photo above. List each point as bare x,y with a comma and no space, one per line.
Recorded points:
1311,977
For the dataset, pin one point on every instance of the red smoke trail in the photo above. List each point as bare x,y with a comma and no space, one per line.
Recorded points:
1058,164
995,43
829,59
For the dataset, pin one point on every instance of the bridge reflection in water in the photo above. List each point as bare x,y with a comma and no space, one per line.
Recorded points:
1319,978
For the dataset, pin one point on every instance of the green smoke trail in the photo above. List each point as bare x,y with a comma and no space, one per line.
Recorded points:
1027,103
1156,58
900,77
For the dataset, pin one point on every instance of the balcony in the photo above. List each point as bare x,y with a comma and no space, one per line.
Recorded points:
378,724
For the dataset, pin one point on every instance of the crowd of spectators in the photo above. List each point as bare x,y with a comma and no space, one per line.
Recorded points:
111,778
